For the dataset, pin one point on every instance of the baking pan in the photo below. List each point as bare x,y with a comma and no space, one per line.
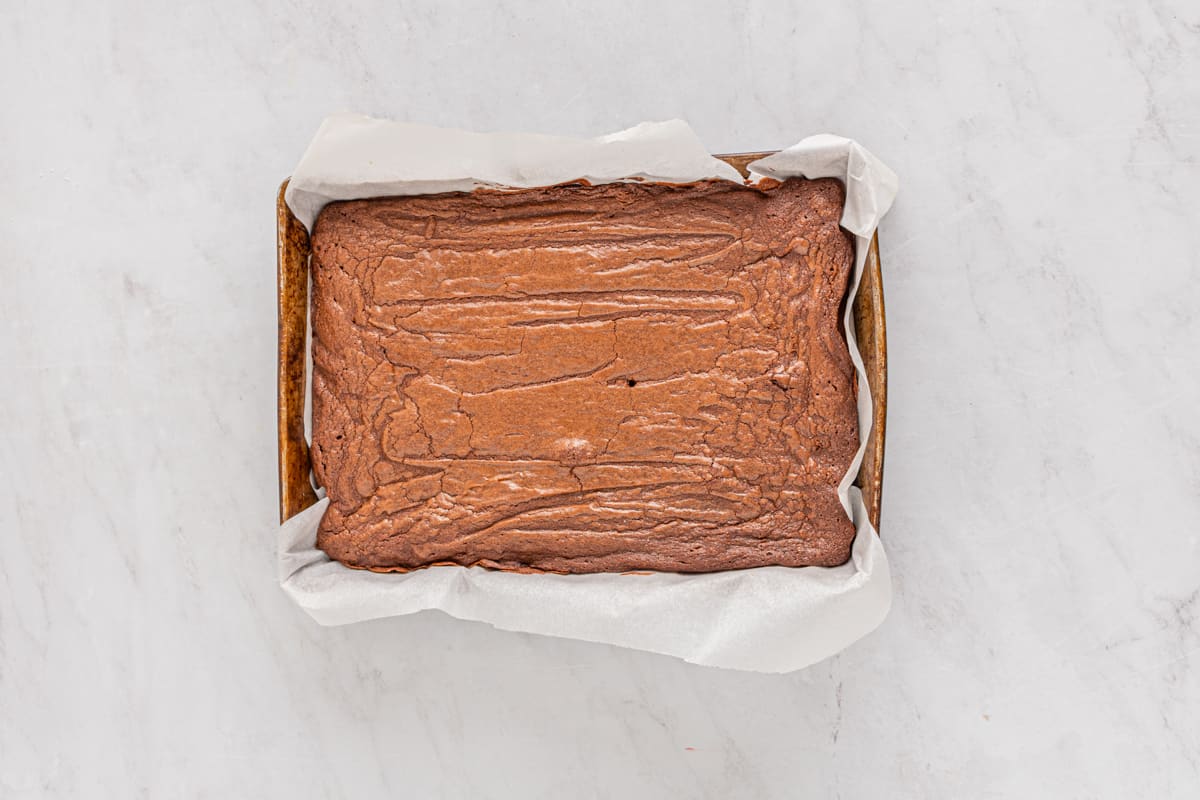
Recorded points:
295,484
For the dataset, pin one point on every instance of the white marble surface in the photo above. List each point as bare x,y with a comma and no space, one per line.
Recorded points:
1042,506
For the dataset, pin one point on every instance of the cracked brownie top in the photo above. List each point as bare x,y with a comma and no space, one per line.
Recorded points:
584,378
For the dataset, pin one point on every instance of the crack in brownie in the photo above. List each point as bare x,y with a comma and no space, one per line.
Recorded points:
585,378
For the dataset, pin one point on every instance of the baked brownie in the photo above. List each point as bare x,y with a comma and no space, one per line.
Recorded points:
585,378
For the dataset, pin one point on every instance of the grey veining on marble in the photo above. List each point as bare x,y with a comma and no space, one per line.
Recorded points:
1042,497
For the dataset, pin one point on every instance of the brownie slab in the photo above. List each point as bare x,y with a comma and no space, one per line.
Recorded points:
584,378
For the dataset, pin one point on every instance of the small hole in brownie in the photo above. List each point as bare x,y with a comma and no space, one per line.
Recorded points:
631,382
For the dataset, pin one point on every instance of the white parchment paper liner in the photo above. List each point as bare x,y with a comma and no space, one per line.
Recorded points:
769,619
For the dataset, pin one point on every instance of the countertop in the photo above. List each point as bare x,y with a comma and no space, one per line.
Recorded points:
1042,493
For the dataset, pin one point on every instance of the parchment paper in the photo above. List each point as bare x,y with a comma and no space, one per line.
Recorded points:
769,619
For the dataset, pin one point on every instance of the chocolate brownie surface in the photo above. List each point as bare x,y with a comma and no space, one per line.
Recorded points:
584,378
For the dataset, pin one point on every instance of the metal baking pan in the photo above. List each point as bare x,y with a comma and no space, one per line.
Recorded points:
295,486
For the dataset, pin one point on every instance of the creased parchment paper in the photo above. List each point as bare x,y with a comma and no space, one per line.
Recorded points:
769,619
